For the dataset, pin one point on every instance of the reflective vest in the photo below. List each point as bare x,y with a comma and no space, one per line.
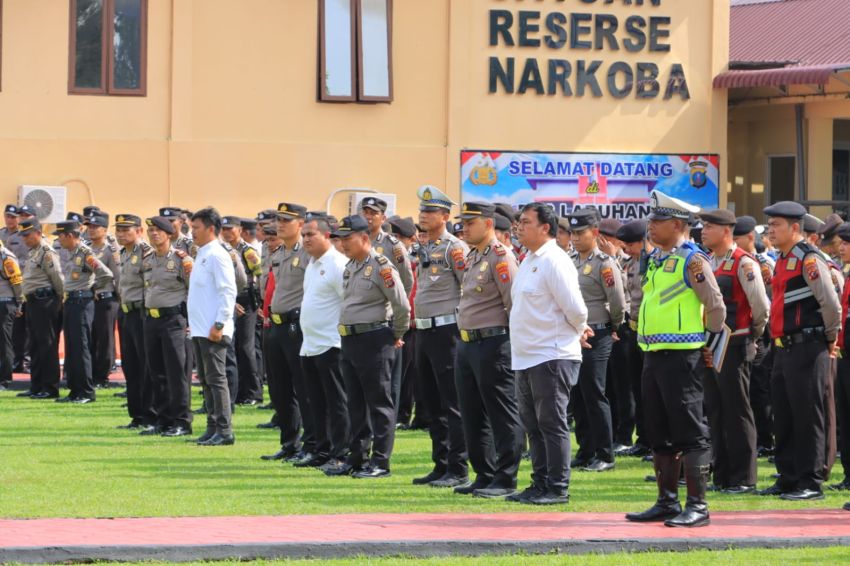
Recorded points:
793,306
739,313
671,315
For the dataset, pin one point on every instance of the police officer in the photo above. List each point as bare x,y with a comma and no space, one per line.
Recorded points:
805,317
166,273
405,230
679,286
601,287
106,305
250,390
442,261
10,309
65,255
131,289
231,365
12,238
486,385
636,247
43,289
179,239
85,275
727,390
290,396
372,294
747,239
842,384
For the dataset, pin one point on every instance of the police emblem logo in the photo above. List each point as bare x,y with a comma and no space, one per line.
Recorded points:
134,260
368,272
698,174
728,265
504,273
479,288
296,261
792,264
370,201
170,264
766,275
749,272
587,269
75,275
483,267
379,250
433,270
119,219
78,260
426,195
670,265
387,276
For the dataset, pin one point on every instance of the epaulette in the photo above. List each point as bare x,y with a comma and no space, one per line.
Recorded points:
381,259
500,249
393,240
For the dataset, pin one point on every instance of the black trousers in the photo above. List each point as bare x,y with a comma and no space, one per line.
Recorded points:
44,320
799,415
259,332
760,396
731,421
283,360
673,402
620,392
486,389
635,372
165,347
7,349
366,364
231,372
76,326
250,384
140,391
590,405
103,339
543,393
404,408
435,354
21,339
210,357
842,405
328,403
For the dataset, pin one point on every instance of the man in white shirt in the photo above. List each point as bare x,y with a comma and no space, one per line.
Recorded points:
212,300
548,325
320,309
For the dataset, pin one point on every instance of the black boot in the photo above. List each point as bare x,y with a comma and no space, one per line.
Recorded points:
667,478
696,478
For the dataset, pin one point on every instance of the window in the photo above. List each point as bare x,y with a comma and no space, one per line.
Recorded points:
108,47
355,50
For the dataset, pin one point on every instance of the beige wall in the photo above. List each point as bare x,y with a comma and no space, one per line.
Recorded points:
231,116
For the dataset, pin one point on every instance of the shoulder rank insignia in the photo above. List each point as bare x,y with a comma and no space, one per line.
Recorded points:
382,260
500,250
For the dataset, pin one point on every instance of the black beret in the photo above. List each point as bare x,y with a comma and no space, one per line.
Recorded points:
505,210
744,225
830,227
74,216
403,227
248,224
270,230
161,222
609,227
812,224
786,209
502,223
719,216
844,232
89,210
267,215
634,231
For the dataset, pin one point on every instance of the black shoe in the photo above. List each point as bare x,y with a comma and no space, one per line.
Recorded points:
597,465
370,472
203,438
132,425
469,489
295,457
82,400
121,394
200,411
576,463
281,454
150,430
315,461
176,431
67,399
451,480
846,507
101,385
25,394
764,452
667,505
551,497
803,495
44,395
248,402
842,486
219,440
638,450
341,469
432,476
526,494
494,492
695,513
266,407
738,490
269,425
621,449
773,490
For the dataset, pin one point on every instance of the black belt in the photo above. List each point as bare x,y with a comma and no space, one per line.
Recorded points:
8,300
73,295
806,336
164,311
103,295
286,317
131,306
601,326
482,333
41,293
352,329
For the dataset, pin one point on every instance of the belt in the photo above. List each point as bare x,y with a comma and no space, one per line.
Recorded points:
808,335
482,333
8,300
435,322
352,329
287,317
41,293
601,326
633,325
102,296
78,295
164,311
131,306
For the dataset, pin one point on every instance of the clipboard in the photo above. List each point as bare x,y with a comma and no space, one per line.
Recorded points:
718,344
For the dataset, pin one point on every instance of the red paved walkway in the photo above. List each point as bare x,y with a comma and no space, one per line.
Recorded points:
773,528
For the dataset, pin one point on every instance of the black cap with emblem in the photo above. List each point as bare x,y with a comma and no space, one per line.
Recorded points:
290,211
351,225
502,223
719,216
26,210
267,215
230,222
128,220
248,223
171,212
90,210
74,217
29,225
98,218
632,232
67,227
269,229
583,219
11,210
374,203
456,228
786,209
161,222
477,209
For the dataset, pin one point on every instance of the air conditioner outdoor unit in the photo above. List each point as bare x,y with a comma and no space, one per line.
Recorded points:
355,198
49,203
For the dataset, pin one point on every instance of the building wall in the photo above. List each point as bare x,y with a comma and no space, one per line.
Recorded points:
231,117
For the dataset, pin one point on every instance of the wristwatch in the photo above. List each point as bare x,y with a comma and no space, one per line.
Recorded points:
219,326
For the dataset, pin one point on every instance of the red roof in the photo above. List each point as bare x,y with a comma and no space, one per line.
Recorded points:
801,41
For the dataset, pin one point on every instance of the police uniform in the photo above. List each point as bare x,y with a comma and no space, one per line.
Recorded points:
486,386
134,364
43,289
679,289
105,307
65,255
727,391
601,287
10,305
289,393
231,365
842,384
179,241
14,241
166,289
633,267
804,320
440,272
372,295
85,275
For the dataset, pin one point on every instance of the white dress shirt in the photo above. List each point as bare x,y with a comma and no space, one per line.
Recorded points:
212,291
548,314
322,303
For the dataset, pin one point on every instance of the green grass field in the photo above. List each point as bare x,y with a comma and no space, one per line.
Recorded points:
70,461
